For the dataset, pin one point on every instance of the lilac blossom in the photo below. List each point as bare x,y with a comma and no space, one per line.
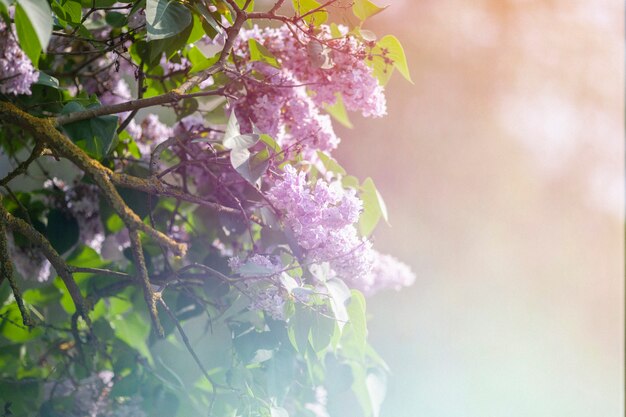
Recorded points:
286,103
322,220
16,70
149,133
170,66
346,71
387,273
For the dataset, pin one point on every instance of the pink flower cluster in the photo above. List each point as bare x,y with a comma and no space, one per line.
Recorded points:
286,103
387,273
322,220
16,70
148,134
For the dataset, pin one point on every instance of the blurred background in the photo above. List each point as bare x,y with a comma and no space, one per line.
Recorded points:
503,171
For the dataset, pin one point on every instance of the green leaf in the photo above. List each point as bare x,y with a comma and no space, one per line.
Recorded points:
62,230
85,257
330,163
95,135
33,20
41,296
278,412
270,142
354,336
259,52
350,181
166,18
4,7
321,332
376,382
338,112
115,19
241,141
8,329
133,331
302,7
45,79
209,24
374,207
299,327
140,202
249,167
364,9
339,295
359,388
389,46
199,62
232,127
73,11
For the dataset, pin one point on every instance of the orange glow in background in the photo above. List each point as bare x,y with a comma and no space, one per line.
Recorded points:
503,171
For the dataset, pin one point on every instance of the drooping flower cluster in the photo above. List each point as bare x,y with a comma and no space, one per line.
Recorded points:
150,133
387,273
287,101
17,73
322,220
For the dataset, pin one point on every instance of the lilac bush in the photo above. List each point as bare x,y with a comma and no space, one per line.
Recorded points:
205,255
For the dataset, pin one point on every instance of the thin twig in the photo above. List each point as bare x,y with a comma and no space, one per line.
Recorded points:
6,272
23,166
189,347
142,275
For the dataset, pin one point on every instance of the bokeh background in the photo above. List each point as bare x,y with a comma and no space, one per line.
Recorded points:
502,167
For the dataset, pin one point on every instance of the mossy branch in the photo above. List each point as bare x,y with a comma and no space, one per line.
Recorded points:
29,232
6,272
44,131
142,276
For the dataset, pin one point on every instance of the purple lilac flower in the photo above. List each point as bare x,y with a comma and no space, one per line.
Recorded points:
346,73
387,273
322,220
286,103
16,70
83,201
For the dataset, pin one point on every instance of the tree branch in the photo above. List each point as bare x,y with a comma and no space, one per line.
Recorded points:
18,225
44,131
173,96
23,166
142,276
6,271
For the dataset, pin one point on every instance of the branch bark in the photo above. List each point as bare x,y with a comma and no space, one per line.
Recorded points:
6,272
44,130
20,226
